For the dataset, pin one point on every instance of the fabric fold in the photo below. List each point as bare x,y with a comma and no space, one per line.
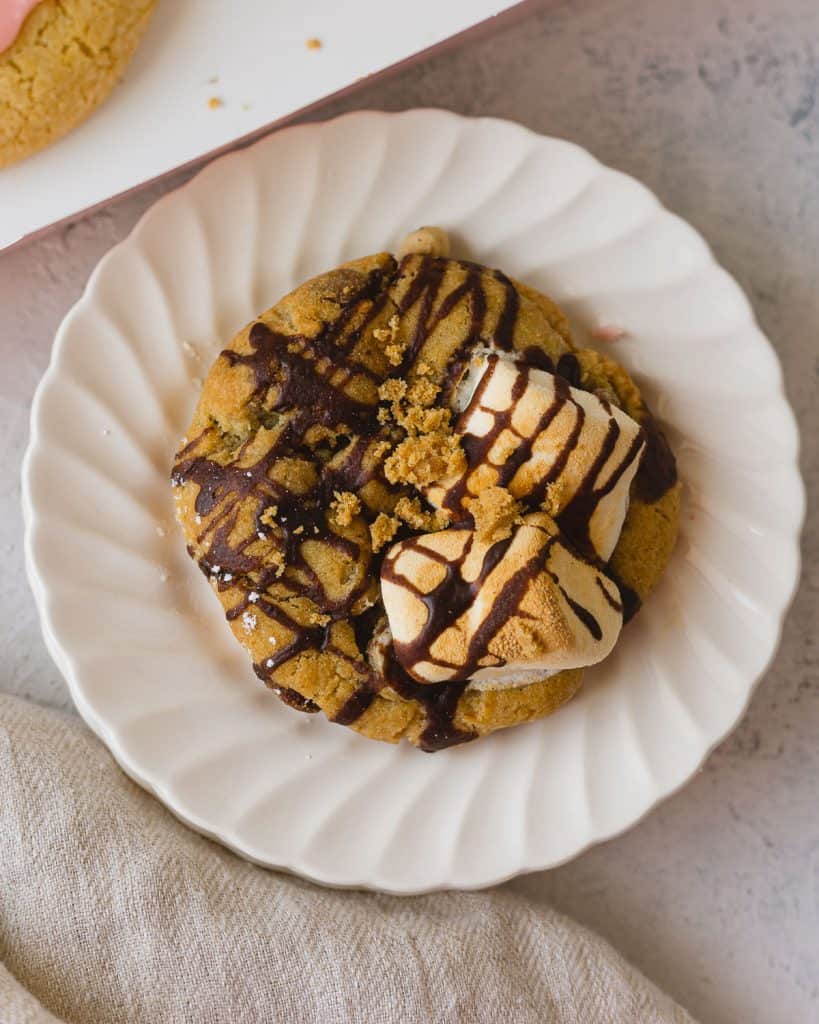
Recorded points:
113,911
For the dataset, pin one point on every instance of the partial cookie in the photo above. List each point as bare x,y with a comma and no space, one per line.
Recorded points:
67,57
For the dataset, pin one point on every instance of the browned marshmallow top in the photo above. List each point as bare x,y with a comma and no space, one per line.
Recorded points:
500,612
551,445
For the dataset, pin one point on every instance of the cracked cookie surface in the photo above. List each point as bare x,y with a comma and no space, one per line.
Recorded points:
67,57
316,428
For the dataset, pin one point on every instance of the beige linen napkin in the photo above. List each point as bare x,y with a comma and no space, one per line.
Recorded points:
112,911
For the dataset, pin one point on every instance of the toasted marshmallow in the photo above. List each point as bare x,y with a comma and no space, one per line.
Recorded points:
498,613
553,446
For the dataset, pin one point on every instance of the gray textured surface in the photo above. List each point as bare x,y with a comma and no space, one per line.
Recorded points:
714,105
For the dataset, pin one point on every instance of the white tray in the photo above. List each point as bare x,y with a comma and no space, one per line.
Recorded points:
158,118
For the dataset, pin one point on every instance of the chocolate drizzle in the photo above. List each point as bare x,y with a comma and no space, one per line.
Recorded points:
629,598
249,512
613,602
423,293
453,596
355,706
302,377
583,614
567,365
440,702
477,448
658,469
575,518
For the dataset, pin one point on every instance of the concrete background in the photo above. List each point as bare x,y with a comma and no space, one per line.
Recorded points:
713,104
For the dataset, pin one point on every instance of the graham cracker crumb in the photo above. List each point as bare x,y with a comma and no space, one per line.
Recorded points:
345,507
277,560
313,43
299,529
425,459
268,517
483,476
380,449
317,618
214,102
423,421
495,512
383,530
418,518
387,333
423,391
392,390
409,405
394,348
555,499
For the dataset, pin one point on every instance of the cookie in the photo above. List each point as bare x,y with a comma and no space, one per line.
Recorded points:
65,60
331,447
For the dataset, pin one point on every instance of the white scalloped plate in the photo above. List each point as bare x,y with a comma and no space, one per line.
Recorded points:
152,666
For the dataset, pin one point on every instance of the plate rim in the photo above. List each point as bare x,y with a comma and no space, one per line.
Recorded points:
62,657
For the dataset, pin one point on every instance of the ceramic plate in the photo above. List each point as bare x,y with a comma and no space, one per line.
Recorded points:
139,635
